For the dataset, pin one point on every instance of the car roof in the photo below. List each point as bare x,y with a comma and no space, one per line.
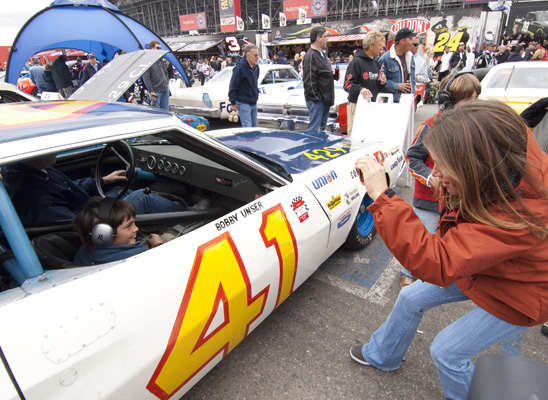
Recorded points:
33,129
519,64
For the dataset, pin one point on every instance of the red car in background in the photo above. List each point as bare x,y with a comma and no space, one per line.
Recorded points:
26,85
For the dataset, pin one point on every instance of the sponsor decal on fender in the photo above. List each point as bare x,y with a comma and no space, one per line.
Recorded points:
334,202
301,209
324,180
344,218
352,195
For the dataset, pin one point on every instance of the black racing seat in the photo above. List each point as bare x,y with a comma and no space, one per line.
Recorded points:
57,250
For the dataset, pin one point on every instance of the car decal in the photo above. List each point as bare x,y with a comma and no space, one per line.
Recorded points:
47,112
219,285
324,180
334,202
301,209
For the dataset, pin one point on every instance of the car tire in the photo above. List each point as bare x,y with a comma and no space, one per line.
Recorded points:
363,230
35,92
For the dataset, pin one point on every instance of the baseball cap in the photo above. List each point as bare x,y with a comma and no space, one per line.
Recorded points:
404,33
461,44
91,55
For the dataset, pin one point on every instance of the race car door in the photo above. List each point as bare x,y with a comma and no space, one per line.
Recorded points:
150,326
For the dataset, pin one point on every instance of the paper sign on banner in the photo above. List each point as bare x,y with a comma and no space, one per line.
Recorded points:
283,20
266,21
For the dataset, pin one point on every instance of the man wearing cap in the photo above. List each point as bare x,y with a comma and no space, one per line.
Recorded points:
486,59
399,65
90,69
458,59
444,68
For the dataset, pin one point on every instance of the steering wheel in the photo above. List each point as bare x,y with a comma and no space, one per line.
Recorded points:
116,149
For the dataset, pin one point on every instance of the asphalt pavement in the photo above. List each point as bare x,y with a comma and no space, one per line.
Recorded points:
301,351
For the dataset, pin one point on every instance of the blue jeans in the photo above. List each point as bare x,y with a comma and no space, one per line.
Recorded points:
318,113
147,203
430,220
452,349
162,100
248,114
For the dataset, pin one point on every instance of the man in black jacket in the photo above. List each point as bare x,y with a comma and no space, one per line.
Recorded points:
364,75
90,69
62,76
319,87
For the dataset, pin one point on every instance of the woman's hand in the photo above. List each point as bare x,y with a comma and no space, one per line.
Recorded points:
373,176
116,176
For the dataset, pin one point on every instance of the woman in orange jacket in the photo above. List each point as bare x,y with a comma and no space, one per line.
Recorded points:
491,246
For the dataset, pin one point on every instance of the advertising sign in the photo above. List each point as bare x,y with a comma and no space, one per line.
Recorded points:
229,10
193,21
417,25
314,8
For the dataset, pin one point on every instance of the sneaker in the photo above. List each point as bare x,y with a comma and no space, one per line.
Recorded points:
356,354
544,329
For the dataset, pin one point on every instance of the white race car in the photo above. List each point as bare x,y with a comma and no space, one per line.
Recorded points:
151,325
211,100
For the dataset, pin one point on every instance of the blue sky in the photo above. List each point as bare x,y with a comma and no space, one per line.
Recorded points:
13,16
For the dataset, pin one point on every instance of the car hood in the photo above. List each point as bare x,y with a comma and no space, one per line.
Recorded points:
294,151
111,81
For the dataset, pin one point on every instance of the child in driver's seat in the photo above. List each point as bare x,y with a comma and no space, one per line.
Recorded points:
111,236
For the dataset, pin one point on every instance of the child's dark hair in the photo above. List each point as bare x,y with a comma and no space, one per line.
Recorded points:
87,217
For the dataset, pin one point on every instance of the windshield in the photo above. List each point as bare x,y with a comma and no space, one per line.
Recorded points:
523,78
223,76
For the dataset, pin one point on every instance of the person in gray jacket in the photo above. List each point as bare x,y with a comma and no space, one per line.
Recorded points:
156,80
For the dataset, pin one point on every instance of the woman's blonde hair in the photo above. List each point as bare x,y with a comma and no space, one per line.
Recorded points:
482,146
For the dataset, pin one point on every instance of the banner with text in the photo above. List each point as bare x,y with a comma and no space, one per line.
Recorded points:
314,8
229,10
193,21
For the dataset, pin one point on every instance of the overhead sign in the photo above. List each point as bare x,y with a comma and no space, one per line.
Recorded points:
314,8
229,10
193,21
417,25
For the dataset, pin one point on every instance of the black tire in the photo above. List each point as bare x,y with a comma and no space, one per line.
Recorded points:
363,230
35,92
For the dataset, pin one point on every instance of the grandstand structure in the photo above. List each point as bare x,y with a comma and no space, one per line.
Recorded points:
162,16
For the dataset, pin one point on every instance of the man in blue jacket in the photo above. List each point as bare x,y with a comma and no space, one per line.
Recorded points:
399,65
243,92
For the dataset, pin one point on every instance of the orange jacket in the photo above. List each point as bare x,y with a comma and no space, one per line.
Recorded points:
505,272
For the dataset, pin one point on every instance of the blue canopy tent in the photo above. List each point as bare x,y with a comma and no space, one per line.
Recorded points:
92,26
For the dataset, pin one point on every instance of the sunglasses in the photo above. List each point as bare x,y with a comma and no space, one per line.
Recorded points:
158,48
416,44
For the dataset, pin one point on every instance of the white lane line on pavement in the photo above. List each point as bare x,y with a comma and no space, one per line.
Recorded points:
376,294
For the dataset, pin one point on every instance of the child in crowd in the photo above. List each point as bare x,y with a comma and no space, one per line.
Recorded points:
108,232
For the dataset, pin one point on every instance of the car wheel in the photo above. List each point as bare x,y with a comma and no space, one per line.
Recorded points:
363,230
35,92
